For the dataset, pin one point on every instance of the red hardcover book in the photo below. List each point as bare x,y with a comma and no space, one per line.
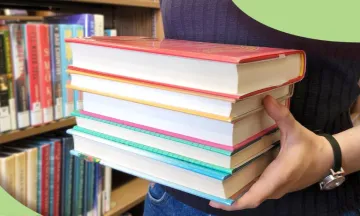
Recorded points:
57,177
225,70
45,176
45,72
33,74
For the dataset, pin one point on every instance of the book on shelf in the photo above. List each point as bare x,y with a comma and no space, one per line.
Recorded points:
185,114
42,174
5,115
84,25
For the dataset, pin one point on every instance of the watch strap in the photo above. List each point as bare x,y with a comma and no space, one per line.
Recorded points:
337,151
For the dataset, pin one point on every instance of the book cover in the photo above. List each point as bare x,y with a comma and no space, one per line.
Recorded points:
31,173
43,176
20,75
5,119
78,32
7,173
20,173
9,71
66,176
45,84
228,53
54,176
54,34
32,59
66,31
93,23
78,186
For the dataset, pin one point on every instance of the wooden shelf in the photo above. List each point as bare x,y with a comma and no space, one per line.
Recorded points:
22,18
127,196
31,131
135,3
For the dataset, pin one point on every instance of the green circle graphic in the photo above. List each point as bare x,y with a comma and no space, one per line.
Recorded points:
335,21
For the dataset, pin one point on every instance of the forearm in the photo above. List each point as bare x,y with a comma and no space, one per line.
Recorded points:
349,141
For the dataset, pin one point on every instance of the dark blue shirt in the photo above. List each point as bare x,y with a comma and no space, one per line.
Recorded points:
320,102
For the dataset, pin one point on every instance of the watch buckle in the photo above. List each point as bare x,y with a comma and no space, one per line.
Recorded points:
339,173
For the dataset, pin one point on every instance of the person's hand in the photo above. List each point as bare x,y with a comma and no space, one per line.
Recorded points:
304,159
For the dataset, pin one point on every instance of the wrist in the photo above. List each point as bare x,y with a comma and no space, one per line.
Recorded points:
326,156
335,176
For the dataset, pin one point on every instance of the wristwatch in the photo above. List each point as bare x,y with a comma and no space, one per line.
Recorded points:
337,174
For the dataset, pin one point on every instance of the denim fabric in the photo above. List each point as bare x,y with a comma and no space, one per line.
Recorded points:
160,203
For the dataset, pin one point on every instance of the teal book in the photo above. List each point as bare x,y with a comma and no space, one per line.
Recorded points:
78,32
66,31
78,187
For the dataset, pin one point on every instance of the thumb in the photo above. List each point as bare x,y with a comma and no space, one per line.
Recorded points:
280,114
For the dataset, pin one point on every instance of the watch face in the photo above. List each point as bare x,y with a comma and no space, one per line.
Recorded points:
334,183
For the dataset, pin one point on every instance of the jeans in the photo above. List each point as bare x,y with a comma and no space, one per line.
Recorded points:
160,203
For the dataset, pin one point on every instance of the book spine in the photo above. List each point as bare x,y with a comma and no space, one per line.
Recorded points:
75,196
66,59
57,177
56,71
69,177
106,189
78,31
91,178
19,75
33,74
45,73
39,178
9,72
80,188
5,120
20,178
51,179
8,175
99,25
45,180
63,170
86,194
95,189
32,184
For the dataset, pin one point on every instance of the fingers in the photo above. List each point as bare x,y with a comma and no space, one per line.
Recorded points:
263,189
280,114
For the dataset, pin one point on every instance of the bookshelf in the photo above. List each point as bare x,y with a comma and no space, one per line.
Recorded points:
128,17
22,18
32,131
135,3
127,196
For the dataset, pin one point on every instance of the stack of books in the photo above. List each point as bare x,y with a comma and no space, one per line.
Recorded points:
184,114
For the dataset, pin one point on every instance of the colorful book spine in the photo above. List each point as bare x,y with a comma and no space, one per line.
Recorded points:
9,72
78,189
45,180
78,31
68,177
5,120
32,57
54,185
46,97
90,188
93,23
86,191
57,177
66,59
19,75
110,32
54,34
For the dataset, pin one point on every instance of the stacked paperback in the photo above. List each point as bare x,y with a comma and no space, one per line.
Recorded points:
184,114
